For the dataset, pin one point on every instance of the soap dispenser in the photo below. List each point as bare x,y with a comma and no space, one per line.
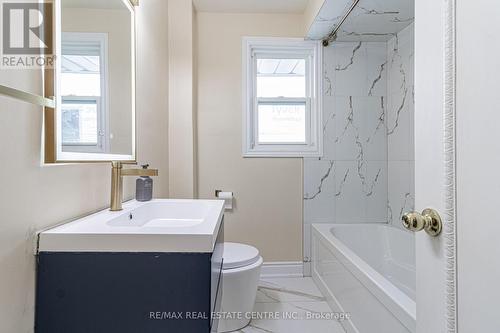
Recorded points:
144,187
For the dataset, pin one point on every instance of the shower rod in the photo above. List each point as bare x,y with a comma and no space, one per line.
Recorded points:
333,35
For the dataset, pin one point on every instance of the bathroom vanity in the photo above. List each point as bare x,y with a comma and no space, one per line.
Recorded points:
152,267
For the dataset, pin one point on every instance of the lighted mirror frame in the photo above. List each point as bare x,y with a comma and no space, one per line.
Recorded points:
52,83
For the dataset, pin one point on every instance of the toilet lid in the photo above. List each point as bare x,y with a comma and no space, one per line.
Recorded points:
239,255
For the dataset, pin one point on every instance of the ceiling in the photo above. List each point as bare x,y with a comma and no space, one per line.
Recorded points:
371,20
251,6
94,4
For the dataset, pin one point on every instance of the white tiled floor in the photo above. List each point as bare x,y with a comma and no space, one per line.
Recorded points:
296,296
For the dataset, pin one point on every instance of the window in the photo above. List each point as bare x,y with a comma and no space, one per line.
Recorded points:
84,92
281,98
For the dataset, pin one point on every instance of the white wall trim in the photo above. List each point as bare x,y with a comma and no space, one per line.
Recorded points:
278,269
450,167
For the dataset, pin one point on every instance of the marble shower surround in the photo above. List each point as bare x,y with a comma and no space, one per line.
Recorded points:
371,20
349,183
400,129
367,171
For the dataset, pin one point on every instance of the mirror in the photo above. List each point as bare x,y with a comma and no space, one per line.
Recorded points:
94,81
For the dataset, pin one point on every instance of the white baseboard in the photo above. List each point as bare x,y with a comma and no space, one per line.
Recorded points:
278,269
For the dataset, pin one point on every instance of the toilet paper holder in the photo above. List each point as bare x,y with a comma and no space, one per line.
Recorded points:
217,192
227,197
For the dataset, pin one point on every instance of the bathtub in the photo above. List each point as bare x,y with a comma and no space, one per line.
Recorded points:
368,271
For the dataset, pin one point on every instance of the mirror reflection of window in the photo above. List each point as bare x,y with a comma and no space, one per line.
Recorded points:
95,77
84,92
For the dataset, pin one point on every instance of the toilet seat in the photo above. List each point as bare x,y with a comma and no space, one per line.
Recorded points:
239,255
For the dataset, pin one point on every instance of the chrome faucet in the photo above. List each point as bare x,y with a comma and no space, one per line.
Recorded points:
117,174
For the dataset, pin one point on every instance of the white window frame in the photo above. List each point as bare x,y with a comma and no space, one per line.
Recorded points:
262,47
103,131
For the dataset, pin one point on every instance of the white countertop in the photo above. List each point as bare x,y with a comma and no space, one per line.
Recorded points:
161,225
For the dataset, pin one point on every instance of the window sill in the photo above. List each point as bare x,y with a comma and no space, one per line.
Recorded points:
281,154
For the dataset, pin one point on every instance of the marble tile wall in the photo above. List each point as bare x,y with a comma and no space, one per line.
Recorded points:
367,171
400,129
349,183
371,20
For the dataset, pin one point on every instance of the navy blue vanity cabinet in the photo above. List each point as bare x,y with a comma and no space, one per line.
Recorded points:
103,292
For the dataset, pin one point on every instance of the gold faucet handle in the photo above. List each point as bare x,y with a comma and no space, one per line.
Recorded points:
117,173
119,164
140,172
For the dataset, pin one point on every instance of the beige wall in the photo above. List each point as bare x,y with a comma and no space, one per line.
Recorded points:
312,9
181,91
268,210
34,196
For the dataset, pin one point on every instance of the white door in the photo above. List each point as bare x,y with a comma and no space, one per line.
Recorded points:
478,162
435,175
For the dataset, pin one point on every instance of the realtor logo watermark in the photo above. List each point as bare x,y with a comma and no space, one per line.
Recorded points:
27,34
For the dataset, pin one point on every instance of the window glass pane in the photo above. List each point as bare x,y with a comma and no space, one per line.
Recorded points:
282,123
80,76
72,63
73,84
281,78
79,122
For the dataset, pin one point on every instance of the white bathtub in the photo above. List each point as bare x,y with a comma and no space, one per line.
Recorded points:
368,271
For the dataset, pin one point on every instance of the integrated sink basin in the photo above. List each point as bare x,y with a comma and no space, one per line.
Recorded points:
162,225
164,214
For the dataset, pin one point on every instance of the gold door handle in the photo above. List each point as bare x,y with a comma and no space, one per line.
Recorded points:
429,220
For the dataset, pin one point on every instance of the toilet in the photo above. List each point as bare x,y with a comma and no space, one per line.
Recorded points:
240,274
